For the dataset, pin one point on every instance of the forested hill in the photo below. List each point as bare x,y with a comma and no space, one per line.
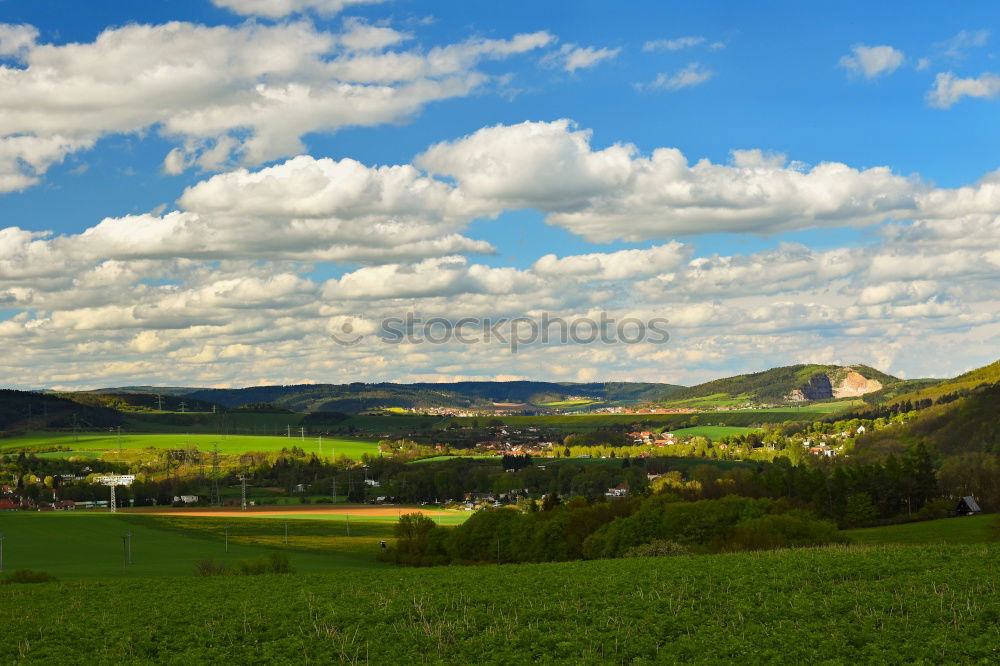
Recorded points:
357,397
959,416
962,384
790,382
29,410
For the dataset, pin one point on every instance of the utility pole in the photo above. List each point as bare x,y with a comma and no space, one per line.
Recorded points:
113,503
302,435
288,432
183,406
243,494
159,402
216,499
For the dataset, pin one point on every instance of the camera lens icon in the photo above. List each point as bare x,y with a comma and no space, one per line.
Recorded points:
345,332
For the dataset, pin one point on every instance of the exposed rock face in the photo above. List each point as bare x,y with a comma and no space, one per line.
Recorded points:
822,387
854,384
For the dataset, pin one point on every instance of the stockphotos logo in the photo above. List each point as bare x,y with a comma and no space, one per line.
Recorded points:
514,333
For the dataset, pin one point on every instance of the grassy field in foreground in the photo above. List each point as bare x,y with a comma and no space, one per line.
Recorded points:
712,432
871,604
89,545
966,529
228,444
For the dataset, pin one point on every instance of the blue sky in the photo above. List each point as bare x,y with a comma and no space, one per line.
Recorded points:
908,88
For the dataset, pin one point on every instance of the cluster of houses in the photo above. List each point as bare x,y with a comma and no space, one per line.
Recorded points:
830,445
28,504
517,441
647,438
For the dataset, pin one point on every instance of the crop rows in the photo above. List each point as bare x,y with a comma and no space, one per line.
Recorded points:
886,604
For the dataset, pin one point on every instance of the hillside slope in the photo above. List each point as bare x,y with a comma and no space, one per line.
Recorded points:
29,410
358,397
791,383
969,424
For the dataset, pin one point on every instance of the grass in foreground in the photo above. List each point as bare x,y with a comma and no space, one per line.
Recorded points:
875,604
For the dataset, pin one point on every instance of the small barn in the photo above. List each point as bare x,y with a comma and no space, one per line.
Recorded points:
967,506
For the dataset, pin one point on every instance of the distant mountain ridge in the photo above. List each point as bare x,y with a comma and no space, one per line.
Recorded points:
358,396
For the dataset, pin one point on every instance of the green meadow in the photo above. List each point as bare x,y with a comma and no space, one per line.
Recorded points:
228,444
963,530
712,432
88,545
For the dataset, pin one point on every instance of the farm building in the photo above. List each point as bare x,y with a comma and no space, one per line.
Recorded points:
967,506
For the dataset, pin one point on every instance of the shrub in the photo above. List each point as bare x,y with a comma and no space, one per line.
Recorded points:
939,508
209,567
786,530
253,567
278,563
658,548
273,563
29,576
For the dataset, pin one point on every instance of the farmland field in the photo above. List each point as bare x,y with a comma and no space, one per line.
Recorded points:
228,444
712,432
882,604
81,544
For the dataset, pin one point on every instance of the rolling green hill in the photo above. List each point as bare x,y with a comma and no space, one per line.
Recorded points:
969,424
359,397
963,383
22,410
785,384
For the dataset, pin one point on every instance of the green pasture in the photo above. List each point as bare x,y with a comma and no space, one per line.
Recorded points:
228,444
681,464
569,403
88,544
433,459
712,432
962,530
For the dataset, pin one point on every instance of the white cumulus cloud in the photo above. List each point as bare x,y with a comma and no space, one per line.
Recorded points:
279,8
224,95
872,61
693,74
948,89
